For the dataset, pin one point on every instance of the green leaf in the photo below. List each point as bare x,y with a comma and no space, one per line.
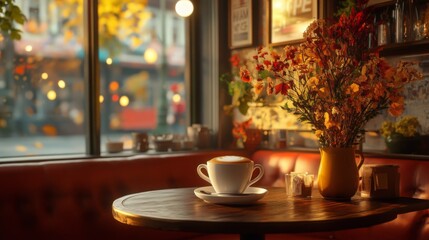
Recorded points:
20,19
11,14
5,26
14,12
264,74
15,34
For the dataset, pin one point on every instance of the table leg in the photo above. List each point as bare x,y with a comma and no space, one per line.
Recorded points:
252,236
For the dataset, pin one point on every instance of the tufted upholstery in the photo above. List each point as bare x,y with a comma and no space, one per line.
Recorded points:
72,199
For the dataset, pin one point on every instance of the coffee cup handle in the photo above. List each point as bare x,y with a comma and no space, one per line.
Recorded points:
257,178
201,174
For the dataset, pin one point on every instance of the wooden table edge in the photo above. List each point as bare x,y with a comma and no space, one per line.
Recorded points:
120,214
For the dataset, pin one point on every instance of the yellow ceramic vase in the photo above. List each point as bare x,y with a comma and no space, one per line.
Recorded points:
338,176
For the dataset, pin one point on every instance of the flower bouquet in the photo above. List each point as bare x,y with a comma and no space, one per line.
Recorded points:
336,83
333,80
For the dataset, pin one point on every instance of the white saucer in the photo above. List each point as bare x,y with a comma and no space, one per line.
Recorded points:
251,195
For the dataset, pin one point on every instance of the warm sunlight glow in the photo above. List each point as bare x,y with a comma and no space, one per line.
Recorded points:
44,76
176,98
184,8
109,61
114,86
124,101
150,55
278,4
28,48
61,84
52,95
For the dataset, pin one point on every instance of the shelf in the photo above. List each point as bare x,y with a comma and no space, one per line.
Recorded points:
406,48
382,10
383,154
380,3
367,153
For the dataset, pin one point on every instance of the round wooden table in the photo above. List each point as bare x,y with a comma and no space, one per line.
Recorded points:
180,210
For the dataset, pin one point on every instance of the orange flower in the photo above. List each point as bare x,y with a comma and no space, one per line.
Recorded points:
270,86
396,109
239,129
318,133
352,88
312,83
245,74
328,123
378,90
257,88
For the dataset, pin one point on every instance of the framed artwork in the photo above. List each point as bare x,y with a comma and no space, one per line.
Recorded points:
240,19
288,19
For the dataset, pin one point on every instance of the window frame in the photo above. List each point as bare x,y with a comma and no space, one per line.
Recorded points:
92,72
92,81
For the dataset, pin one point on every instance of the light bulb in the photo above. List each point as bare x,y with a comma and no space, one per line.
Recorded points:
150,55
184,8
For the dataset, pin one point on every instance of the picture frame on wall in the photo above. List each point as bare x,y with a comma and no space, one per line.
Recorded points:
288,19
240,19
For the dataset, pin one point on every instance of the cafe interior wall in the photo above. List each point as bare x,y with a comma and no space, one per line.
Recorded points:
272,118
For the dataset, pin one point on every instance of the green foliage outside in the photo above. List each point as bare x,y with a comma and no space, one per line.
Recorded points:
10,16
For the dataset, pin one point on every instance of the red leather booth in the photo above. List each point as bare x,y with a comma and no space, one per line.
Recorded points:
72,199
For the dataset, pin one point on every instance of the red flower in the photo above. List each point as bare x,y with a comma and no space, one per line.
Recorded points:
234,60
245,75
277,66
281,88
260,67
267,63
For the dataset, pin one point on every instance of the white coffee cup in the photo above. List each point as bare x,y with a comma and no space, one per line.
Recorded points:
230,174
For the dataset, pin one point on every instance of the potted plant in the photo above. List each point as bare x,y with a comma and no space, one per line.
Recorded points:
401,136
243,97
336,83
246,136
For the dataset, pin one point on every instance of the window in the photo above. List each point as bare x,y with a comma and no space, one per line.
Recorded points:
42,85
